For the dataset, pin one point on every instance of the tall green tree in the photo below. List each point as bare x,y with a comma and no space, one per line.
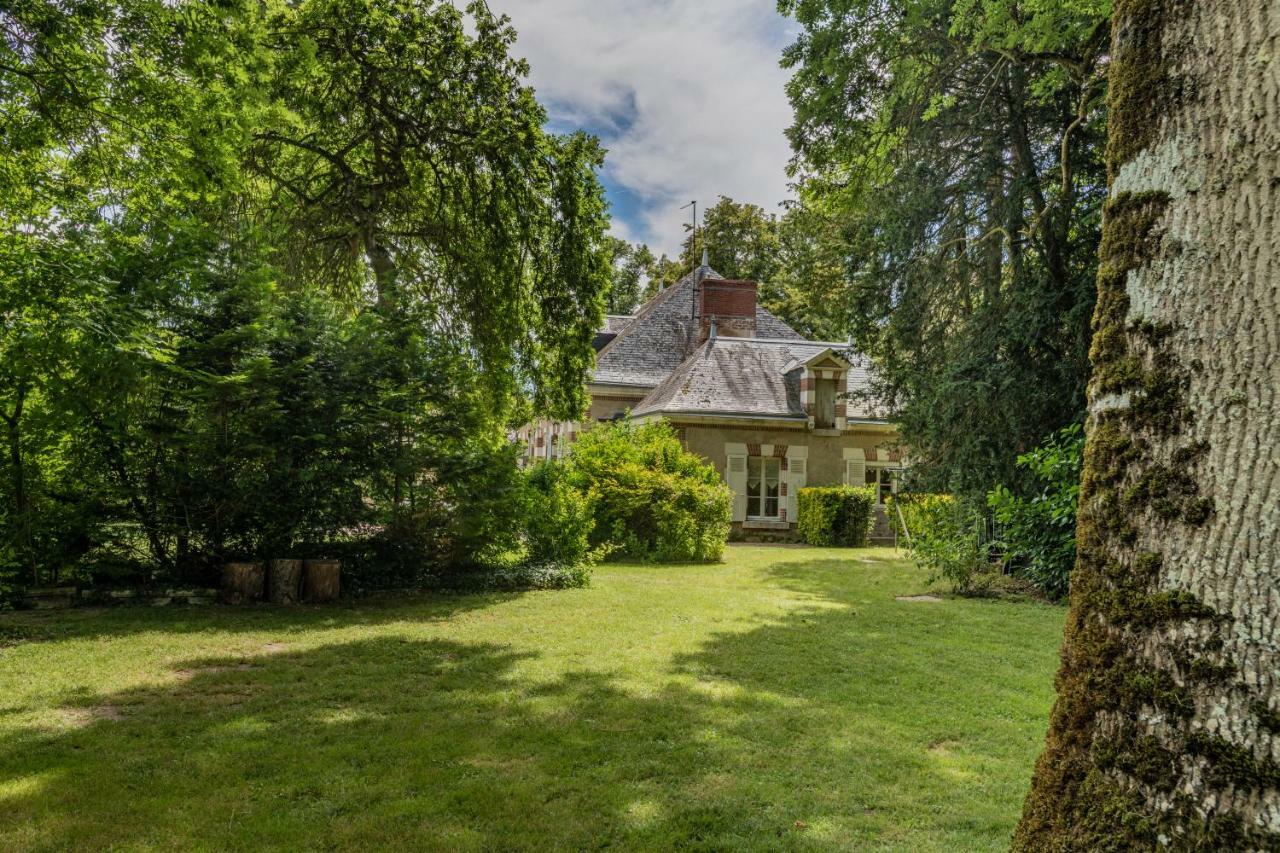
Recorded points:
741,241
272,269
632,264
954,148
412,164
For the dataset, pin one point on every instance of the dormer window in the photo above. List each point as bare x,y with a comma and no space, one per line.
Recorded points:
824,409
822,385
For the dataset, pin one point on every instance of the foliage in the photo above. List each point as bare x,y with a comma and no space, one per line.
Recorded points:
9,568
835,515
274,273
944,536
412,158
557,518
652,499
1039,533
741,241
631,264
518,577
949,161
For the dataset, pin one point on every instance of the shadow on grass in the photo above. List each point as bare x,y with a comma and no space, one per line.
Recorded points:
834,726
127,619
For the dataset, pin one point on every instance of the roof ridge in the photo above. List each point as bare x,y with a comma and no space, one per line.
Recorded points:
788,341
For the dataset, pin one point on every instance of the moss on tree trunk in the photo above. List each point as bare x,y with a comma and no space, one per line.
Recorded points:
1163,734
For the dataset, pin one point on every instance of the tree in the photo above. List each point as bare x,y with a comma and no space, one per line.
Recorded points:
661,274
271,270
948,153
812,262
631,265
1165,728
741,241
411,162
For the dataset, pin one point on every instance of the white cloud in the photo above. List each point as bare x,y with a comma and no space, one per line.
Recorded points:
686,94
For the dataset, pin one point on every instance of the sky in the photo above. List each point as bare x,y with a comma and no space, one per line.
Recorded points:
687,96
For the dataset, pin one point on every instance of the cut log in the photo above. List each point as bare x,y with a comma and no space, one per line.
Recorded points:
284,581
242,582
320,581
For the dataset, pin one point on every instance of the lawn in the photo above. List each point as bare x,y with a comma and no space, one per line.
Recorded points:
781,700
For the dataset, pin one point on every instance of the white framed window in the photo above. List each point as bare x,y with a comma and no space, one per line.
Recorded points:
764,480
883,479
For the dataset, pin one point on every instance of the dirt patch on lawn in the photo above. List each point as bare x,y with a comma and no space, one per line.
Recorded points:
79,718
192,672
917,598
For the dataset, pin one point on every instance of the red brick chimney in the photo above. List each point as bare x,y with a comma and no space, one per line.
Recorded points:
729,305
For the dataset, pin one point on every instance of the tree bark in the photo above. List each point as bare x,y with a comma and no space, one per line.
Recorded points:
242,582
21,507
284,581
321,581
1166,730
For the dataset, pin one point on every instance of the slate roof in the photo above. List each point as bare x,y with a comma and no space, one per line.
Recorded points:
749,377
617,322
657,341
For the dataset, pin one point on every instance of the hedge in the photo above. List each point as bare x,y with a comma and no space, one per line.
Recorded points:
835,515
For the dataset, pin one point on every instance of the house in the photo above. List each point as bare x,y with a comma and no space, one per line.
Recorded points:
772,411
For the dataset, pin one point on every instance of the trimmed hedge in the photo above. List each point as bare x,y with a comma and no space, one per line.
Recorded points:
835,515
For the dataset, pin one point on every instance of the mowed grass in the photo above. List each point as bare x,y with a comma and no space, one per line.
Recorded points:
781,700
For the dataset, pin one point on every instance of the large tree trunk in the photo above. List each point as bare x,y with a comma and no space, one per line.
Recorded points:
284,581
320,581
21,520
242,582
1166,731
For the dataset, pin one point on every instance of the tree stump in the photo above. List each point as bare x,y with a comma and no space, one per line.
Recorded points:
284,581
242,582
320,581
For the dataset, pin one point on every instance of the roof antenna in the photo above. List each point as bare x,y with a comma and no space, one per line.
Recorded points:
694,228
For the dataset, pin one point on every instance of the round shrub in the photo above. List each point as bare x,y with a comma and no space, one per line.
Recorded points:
835,515
652,499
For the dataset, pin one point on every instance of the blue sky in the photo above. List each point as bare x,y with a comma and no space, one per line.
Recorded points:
687,96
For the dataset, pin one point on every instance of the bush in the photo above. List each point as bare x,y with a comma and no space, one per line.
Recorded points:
944,536
386,559
519,577
1039,535
835,515
652,499
557,518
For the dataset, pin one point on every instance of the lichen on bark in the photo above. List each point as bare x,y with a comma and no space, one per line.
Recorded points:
1164,731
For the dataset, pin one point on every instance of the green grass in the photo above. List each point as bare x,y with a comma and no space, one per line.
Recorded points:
782,700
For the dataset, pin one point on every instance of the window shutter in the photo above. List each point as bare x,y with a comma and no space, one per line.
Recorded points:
736,477
797,476
855,472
